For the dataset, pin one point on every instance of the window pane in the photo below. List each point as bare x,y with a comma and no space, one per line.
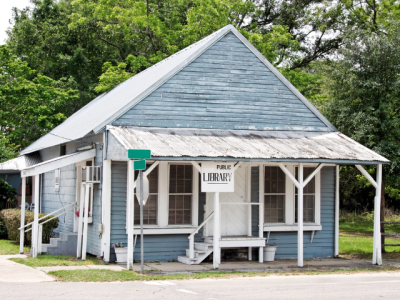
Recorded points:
274,208
180,209
149,211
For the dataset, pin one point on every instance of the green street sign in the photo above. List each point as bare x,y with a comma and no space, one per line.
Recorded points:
139,154
139,165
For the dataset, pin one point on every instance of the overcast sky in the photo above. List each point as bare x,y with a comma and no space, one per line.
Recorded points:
5,15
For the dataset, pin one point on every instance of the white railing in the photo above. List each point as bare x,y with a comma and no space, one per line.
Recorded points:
191,236
64,210
70,207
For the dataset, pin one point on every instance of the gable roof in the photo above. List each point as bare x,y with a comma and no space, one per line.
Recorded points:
107,107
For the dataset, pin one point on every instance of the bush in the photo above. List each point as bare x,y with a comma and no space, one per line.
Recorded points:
12,220
3,230
7,193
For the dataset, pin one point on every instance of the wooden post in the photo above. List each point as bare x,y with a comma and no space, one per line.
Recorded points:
35,227
216,248
86,219
377,253
22,232
383,205
80,225
300,218
337,199
130,199
106,202
261,232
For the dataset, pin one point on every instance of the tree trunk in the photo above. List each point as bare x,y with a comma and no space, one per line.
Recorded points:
383,216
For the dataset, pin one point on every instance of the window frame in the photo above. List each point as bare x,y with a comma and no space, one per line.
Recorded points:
290,224
275,194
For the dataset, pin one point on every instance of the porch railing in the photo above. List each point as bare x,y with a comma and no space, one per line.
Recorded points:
191,236
38,242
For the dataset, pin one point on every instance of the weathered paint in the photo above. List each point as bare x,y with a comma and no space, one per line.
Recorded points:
226,87
156,247
323,241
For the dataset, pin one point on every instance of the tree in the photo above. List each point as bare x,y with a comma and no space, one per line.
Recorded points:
366,99
31,104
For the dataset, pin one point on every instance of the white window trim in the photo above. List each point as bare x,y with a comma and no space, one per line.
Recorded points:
289,224
162,226
195,196
78,187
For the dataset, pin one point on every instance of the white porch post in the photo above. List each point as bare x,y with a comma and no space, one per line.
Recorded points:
130,199
377,252
88,189
261,212
35,227
300,218
80,225
216,249
22,232
106,202
337,212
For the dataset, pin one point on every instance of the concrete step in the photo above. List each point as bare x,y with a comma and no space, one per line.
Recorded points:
66,244
197,253
186,260
202,246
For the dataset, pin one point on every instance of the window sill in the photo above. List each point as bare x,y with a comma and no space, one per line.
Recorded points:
274,228
165,230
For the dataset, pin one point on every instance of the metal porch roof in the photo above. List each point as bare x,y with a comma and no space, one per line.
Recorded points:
20,162
244,144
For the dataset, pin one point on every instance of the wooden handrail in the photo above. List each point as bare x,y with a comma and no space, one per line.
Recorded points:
74,203
201,225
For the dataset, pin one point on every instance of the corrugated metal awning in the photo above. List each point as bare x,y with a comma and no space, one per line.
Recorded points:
20,162
58,162
244,144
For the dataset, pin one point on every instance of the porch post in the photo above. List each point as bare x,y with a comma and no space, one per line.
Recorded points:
300,218
337,211
22,232
130,194
106,202
216,249
261,212
35,227
89,188
377,253
80,225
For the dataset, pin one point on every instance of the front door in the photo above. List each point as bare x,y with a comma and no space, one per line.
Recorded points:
234,217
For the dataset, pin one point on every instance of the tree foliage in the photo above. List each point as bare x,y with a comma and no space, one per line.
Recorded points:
32,104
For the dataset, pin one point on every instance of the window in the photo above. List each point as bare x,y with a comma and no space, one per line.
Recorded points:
180,194
308,197
274,195
150,209
63,150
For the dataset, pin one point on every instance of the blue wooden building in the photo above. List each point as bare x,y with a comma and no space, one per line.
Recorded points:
218,100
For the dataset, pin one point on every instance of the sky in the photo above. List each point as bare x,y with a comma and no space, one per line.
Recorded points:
6,14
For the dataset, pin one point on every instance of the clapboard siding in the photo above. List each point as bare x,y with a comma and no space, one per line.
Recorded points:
156,247
52,200
94,239
226,87
323,241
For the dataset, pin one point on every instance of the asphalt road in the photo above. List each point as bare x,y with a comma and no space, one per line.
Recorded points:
356,286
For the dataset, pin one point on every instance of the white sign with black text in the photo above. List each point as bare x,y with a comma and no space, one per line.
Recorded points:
217,177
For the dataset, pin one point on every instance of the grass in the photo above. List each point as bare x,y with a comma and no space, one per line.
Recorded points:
109,276
57,260
10,247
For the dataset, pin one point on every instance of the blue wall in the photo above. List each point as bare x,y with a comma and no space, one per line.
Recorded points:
225,87
13,179
323,242
156,247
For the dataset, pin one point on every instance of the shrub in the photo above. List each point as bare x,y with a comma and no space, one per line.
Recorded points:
3,230
12,220
7,193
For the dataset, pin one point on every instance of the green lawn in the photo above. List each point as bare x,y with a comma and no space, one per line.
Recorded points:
108,275
10,247
57,260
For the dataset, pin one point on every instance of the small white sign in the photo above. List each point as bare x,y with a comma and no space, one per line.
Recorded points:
217,177
145,189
